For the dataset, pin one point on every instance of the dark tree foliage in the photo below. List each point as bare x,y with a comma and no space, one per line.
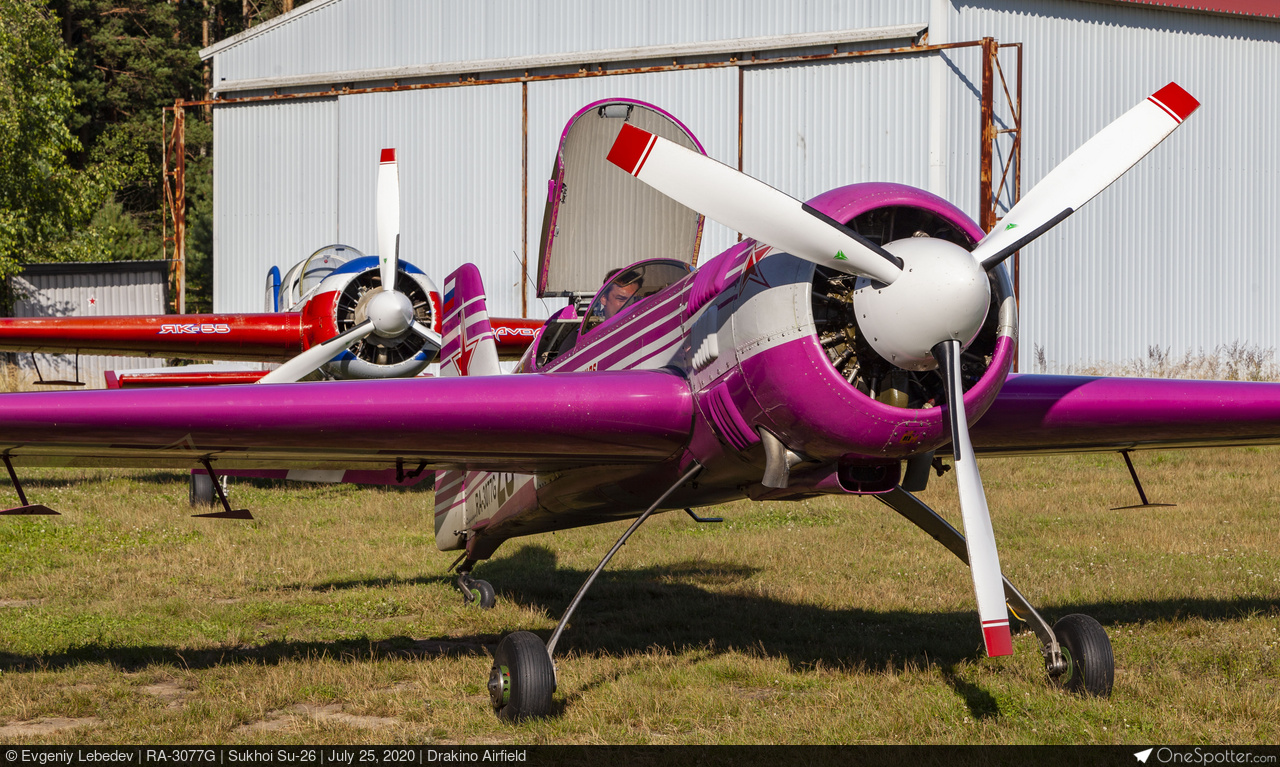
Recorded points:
45,203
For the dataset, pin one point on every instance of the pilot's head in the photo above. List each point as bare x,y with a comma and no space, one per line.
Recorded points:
621,289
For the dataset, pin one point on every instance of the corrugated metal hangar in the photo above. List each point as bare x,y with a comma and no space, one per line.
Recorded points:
805,95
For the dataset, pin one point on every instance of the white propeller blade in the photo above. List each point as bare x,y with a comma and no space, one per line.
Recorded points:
388,218
430,335
1090,169
750,206
984,561
311,359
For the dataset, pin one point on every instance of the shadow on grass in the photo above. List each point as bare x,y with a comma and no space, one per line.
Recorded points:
981,704
136,658
706,607
693,604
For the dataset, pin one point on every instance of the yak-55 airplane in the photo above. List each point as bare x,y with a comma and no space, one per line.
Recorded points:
327,316
315,320
855,335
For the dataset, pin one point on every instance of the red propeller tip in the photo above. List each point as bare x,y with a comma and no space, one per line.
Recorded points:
388,155
1176,101
631,149
998,640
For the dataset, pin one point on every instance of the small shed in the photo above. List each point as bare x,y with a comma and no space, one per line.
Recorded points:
96,289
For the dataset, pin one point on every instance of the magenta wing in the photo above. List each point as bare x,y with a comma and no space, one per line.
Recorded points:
525,423
1072,414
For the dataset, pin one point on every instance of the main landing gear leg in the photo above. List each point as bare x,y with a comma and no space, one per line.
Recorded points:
523,677
1077,653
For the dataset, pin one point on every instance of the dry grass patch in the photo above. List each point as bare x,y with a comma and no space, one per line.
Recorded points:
1225,362
40,727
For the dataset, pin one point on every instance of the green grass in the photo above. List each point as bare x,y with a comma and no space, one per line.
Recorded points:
330,619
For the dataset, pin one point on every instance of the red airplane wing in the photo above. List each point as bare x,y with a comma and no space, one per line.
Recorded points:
171,377
268,337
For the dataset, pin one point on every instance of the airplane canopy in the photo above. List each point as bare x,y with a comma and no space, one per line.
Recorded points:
597,217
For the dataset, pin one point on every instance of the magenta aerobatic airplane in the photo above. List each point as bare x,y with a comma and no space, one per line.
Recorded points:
855,335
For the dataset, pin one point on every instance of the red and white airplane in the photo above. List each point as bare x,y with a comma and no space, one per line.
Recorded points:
835,353
330,312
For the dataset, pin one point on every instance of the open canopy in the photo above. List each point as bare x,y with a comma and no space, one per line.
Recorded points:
597,218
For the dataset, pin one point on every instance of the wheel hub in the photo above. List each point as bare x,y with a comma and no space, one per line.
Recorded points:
499,686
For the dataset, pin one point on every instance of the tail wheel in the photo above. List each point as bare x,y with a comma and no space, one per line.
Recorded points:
522,679
484,596
1090,665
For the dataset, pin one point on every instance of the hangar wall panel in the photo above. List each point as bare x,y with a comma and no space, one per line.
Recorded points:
808,128
960,122
88,290
1178,253
374,34
275,193
459,153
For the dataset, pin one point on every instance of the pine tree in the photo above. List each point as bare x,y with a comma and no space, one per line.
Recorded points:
46,202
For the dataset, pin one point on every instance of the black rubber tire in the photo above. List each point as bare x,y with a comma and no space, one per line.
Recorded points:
485,598
522,679
1091,667
201,491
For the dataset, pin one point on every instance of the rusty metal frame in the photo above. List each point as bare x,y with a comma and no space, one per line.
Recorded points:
175,196
987,195
1011,170
174,215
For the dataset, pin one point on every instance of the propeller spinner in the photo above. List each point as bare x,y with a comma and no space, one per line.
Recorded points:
921,301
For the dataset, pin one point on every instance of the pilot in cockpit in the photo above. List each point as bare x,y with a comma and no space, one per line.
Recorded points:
620,291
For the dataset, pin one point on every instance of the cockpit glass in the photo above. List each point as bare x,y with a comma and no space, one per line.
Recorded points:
628,286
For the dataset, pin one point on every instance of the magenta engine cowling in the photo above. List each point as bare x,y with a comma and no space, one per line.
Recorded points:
826,394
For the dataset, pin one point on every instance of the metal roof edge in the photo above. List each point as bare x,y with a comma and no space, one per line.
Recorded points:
93,267
521,63
1234,9
264,27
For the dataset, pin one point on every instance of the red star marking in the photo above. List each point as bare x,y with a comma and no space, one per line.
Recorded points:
92,301
758,252
464,356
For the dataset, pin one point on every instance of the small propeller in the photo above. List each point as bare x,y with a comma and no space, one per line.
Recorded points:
750,206
1087,171
429,335
388,218
390,312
